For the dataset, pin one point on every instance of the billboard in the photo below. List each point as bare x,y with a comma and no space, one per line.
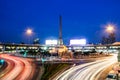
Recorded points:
78,42
51,42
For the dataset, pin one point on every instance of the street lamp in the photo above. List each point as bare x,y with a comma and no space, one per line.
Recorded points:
110,28
29,32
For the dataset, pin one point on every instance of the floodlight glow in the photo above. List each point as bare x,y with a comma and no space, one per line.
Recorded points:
110,28
29,31
51,42
78,42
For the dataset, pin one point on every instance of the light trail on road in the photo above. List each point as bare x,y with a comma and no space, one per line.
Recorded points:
26,71
87,71
15,70
21,70
8,68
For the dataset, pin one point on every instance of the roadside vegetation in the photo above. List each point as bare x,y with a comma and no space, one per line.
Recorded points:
52,69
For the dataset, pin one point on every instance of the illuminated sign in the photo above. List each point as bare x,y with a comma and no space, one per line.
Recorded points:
78,42
51,42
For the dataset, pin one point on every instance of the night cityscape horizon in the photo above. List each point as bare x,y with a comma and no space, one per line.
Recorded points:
87,18
59,39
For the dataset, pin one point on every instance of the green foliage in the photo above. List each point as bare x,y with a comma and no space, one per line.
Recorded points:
52,69
111,38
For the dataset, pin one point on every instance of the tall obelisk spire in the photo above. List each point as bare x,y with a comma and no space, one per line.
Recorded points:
60,41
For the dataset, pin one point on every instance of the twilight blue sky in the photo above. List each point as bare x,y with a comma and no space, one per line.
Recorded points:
80,18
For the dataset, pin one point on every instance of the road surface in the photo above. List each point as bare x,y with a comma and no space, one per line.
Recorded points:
87,71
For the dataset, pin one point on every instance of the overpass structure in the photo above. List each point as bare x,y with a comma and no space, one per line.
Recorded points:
8,47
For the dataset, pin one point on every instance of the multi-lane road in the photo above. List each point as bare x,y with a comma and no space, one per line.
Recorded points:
87,71
22,69
17,69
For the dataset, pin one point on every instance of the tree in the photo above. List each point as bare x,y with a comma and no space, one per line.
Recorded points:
109,40
22,43
36,41
104,40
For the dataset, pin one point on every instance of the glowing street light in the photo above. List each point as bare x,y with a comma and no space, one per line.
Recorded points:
29,31
110,28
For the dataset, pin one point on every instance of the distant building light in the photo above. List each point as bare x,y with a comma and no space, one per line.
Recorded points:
45,48
78,42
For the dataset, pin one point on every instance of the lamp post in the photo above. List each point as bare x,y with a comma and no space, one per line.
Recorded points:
110,28
29,32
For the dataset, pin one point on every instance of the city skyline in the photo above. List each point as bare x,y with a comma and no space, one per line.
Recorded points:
59,39
80,19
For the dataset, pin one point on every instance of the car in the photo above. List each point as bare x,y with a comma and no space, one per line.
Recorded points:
111,76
